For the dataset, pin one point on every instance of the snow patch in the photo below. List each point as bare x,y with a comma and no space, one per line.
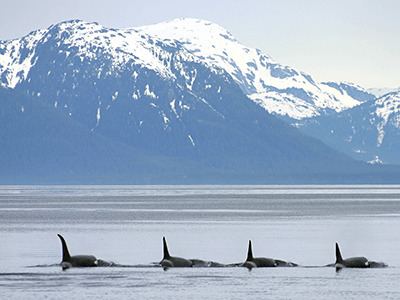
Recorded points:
375,161
165,119
387,108
191,140
285,104
98,116
149,93
359,151
114,96
17,57
172,104
215,47
136,95
183,106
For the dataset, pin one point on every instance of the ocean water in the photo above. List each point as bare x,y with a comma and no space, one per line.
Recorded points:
125,224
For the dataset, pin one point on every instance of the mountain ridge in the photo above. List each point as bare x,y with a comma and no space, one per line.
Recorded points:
156,113
277,88
370,132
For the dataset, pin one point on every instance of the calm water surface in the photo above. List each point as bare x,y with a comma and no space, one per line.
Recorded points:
125,224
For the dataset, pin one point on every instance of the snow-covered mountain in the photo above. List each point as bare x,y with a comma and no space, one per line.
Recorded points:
277,88
83,103
370,132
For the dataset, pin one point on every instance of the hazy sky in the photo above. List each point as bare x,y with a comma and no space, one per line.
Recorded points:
349,40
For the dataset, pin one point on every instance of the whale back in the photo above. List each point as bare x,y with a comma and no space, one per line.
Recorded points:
356,262
179,262
84,261
66,257
263,262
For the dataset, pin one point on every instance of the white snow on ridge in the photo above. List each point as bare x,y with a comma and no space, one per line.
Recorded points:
339,99
15,66
121,44
282,103
255,72
388,105
387,109
277,88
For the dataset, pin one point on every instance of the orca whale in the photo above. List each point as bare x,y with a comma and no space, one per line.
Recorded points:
263,262
169,261
354,262
80,261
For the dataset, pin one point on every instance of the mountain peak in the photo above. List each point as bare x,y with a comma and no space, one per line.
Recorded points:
388,105
72,22
188,28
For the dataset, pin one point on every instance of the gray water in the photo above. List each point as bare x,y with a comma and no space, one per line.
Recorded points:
125,224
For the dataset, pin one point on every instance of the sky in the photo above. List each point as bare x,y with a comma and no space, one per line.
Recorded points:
344,40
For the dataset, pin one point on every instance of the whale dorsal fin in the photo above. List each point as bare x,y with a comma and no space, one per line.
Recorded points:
249,252
165,248
65,253
339,257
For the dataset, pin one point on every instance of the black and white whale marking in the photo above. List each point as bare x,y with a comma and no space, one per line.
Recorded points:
169,261
354,262
79,261
263,262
